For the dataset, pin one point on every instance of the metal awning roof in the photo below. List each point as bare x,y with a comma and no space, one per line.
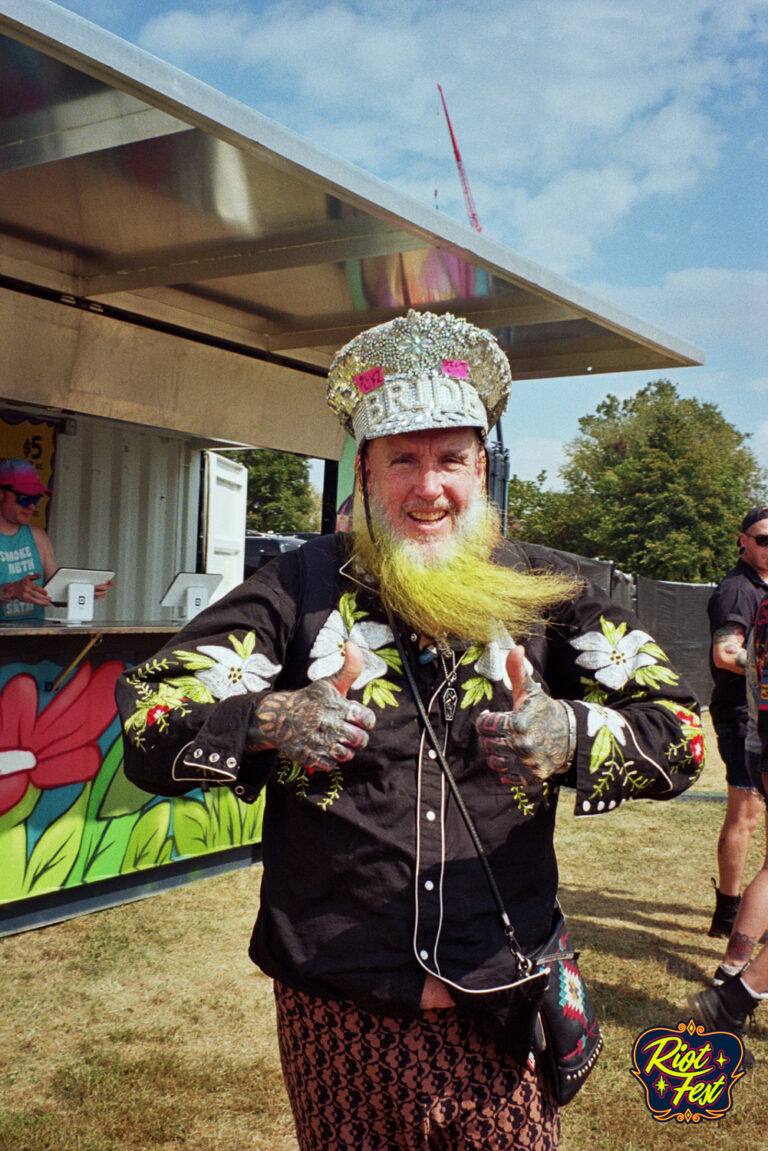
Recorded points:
209,262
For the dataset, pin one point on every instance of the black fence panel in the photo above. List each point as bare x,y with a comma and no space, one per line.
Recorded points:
675,614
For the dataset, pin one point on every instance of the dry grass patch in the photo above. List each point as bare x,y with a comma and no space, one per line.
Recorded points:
143,1027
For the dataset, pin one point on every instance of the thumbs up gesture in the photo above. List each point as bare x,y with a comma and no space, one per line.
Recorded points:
316,726
532,741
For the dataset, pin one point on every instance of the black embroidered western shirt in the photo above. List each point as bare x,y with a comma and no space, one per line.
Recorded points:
370,879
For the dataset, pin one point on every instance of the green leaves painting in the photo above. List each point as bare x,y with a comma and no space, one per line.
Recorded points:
113,828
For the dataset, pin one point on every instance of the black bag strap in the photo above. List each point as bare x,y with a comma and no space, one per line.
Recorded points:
525,963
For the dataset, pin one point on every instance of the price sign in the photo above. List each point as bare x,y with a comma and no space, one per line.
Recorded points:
27,438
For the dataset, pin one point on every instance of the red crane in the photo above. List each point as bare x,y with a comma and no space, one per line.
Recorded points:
470,203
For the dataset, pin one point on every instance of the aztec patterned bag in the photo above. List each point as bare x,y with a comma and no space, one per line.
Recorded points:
568,1039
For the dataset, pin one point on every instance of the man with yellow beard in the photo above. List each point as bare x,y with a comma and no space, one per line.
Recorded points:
375,685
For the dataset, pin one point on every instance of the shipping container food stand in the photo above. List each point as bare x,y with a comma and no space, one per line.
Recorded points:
176,272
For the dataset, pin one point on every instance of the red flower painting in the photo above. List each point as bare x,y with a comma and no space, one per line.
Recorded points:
58,746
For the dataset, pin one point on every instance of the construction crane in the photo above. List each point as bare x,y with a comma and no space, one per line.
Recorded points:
470,203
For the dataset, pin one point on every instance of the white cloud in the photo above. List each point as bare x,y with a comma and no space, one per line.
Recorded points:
569,113
545,221
706,305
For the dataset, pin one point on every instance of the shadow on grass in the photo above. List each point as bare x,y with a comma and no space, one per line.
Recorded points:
588,907
621,905
608,926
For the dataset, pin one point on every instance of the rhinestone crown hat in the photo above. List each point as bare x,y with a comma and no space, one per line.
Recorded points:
416,372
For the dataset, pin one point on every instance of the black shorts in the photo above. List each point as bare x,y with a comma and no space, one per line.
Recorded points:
759,778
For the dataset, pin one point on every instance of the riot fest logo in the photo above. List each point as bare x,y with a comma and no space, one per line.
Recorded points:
687,1073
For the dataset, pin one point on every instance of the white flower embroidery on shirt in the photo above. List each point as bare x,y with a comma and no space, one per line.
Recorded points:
599,717
328,648
234,673
613,657
492,664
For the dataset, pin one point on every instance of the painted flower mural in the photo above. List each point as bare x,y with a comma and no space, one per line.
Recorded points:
59,745
68,815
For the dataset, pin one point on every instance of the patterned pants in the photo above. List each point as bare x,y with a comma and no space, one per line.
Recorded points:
363,1082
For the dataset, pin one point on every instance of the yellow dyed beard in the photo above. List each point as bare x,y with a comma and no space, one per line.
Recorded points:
458,592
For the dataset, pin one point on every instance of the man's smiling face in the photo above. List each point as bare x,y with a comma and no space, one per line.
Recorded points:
422,482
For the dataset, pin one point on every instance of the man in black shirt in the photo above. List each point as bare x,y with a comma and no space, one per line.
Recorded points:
731,611
741,982
404,1020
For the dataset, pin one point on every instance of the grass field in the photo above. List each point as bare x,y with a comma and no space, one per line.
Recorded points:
146,1028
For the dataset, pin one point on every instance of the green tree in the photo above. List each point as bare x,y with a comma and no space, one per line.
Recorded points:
540,516
659,484
280,496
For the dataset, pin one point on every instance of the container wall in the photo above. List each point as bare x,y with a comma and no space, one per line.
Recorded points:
126,500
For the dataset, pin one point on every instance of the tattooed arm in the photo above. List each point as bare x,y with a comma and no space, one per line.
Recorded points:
316,726
729,648
537,737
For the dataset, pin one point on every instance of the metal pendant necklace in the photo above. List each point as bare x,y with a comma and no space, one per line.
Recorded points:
449,697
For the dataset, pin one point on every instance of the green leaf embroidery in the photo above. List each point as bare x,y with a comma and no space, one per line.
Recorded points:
288,771
335,790
349,611
601,749
391,658
521,800
147,670
245,648
654,676
611,632
185,687
475,690
194,660
381,692
593,691
654,650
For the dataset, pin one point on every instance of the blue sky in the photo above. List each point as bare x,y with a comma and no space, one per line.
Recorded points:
621,143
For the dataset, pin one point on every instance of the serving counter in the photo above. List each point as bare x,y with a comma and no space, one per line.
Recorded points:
75,834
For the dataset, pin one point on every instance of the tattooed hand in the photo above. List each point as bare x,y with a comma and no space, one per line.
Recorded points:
316,726
531,740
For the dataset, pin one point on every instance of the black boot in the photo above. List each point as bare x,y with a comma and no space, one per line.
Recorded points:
725,1008
726,907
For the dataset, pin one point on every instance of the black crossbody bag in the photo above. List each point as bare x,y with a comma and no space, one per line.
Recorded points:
567,1036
